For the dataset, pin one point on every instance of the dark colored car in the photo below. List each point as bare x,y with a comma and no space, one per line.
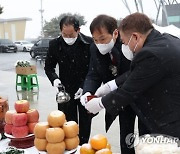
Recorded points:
40,48
7,45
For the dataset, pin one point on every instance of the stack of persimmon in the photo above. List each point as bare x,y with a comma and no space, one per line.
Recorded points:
56,135
71,131
40,141
98,144
21,121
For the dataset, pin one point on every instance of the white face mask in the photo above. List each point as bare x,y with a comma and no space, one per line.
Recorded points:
70,41
105,48
127,51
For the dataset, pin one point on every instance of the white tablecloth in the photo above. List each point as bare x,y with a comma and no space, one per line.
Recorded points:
4,145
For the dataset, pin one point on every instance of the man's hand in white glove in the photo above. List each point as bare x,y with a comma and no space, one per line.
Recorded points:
94,105
78,94
106,88
56,83
83,98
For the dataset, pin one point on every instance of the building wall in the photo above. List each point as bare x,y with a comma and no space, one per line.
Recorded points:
173,15
13,30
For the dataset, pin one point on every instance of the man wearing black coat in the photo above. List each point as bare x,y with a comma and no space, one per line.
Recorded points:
106,64
71,52
152,87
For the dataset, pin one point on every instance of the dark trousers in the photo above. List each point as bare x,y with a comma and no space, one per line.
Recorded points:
74,111
142,128
126,121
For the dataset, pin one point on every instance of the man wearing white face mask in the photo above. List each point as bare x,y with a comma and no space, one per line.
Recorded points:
105,48
127,51
107,62
152,86
71,53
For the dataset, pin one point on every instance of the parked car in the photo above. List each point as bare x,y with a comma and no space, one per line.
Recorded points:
40,48
23,45
7,45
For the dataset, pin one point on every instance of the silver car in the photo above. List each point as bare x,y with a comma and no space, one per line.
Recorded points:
23,45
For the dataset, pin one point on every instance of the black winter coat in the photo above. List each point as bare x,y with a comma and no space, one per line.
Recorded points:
73,61
153,85
100,72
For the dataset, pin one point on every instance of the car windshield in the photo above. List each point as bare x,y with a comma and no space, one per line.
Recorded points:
5,41
46,41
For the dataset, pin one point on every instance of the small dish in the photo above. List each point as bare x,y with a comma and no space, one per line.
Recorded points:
12,137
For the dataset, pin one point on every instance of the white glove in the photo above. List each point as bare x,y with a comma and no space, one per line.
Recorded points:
56,83
106,88
94,105
83,98
78,94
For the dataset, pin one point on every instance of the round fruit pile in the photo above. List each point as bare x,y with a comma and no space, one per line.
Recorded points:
98,144
21,121
56,135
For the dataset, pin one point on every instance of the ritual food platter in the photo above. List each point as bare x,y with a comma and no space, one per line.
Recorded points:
28,141
73,151
24,142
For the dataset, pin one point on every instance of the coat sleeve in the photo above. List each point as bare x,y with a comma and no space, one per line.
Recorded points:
50,63
145,72
122,78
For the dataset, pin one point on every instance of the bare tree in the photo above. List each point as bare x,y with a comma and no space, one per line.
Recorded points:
1,9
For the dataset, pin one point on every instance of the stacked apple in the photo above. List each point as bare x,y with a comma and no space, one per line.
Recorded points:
21,121
56,135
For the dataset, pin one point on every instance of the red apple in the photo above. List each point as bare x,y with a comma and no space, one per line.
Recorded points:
8,128
31,126
33,115
8,116
21,106
20,132
19,119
